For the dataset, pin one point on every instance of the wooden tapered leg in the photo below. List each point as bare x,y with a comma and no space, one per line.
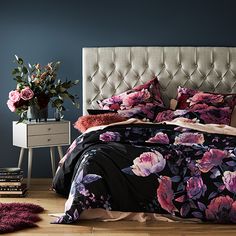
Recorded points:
60,152
21,157
30,156
52,154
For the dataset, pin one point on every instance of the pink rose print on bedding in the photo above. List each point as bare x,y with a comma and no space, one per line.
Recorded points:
135,98
147,163
207,98
195,188
165,116
229,180
210,159
109,136
221,210
160,137
145,110
165,194
216,115
188,139
112,103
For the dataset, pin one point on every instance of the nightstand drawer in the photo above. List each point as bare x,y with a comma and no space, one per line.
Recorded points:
48,140
48,129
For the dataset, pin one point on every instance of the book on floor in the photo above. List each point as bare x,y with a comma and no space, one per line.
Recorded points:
11,191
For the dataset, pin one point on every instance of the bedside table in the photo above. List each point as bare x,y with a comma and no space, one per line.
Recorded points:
30,135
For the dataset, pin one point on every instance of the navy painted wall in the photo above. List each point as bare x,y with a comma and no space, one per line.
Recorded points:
42,31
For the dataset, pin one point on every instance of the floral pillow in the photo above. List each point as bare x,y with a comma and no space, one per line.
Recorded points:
206,107
203,113
187,98
139,102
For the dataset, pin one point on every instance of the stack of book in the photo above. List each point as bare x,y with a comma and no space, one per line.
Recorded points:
11,182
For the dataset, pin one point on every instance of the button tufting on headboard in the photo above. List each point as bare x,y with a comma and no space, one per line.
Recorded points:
108,71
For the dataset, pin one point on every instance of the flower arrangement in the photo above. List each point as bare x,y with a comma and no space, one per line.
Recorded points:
37,86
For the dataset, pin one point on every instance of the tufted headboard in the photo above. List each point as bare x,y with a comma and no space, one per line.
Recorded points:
112,70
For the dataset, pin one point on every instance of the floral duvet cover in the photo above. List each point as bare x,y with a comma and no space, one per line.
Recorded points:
156,168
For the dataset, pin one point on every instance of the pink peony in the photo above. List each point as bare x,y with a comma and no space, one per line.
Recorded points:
26,93
222,210
229,180
211,158
147,163
160,137
165,194
189,139
195,188
14,96
11,105
109,136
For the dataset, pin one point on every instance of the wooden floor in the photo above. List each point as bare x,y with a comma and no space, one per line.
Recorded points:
40,194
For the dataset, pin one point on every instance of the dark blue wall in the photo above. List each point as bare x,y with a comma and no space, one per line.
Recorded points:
42,31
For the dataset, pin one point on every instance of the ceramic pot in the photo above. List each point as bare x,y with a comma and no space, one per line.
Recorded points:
36,113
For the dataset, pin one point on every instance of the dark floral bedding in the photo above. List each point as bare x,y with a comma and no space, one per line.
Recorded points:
156,168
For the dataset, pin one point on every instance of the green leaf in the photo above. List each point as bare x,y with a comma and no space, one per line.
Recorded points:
64,95
53,91
77,105
62,89
15,71
76,82
20,61
24,70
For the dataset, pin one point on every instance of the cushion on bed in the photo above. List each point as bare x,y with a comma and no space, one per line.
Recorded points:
139,102
207,107
87,121
203,113
187,98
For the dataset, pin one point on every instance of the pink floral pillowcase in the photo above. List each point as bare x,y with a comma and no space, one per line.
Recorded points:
140,102
206,107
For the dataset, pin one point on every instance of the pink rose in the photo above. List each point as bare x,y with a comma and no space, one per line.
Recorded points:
26,93
147,163
189,139
165,194
229,179
14,96
11,105
210,159
195,188
160,137
222,210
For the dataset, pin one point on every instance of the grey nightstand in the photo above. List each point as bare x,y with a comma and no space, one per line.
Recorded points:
41,134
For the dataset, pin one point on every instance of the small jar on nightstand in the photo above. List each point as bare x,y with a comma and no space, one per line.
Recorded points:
30,135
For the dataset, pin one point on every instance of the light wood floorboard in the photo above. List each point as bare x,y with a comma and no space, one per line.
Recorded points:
40,194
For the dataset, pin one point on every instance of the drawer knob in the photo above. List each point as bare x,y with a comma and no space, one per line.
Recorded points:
49,139
49,129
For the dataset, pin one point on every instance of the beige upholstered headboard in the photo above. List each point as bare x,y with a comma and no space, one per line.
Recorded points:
109,71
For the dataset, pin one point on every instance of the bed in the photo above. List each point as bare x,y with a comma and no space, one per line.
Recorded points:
181,164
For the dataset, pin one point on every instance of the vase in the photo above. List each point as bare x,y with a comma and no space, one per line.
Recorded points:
36,113
58,115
